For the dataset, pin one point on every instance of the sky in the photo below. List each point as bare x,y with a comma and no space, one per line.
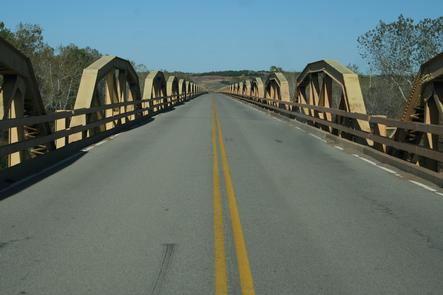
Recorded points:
198,35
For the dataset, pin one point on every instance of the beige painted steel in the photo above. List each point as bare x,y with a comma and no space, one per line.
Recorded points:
155,87
109,95
425,105
260,87
121,84
60,124
172,89
19,97
188,88
277,87
351,98
182,88
248,87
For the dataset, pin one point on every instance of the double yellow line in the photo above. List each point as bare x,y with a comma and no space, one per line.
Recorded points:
244,269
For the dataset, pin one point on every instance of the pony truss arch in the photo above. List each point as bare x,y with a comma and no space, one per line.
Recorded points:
248,87
172,89
182,89
108,80
277,87
315,87
260,91
20,97
188,88
241,88
234,88
155,87
425,105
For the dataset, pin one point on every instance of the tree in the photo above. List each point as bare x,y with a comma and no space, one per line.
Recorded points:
275,69
354,68
58,70
65,72
6,33
396,50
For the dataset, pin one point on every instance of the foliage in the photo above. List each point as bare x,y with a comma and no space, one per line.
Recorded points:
275,69
354,68
396,50
58,70
231,73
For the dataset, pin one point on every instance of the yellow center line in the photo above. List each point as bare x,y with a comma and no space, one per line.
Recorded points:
221,284
244,269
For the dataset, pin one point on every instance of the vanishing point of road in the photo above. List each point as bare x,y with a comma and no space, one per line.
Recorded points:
215,198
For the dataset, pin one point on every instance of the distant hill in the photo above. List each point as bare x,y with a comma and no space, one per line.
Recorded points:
218,79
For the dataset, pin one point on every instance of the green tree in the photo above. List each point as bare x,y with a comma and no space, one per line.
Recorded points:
396,50
275,69
354,68
6,33
58,70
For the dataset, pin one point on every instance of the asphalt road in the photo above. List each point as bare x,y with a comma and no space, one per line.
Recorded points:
143,214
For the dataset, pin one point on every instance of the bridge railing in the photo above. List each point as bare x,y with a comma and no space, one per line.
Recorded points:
60,122
108,97
377,137
328,95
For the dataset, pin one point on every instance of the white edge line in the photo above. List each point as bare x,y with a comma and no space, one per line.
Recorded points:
387,169
101,142
368,161
423,186
375,164
87,149
339,147
318,137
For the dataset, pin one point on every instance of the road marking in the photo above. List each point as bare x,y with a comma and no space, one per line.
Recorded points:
318,137
388,170
339,147
423,186
221,282
244,269
100,143
87,149
367,161
376,165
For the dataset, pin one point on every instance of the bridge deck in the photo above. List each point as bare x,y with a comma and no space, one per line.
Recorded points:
135,215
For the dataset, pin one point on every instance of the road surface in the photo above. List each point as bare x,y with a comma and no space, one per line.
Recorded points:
282,213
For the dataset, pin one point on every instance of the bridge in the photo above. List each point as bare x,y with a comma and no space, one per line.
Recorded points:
254,189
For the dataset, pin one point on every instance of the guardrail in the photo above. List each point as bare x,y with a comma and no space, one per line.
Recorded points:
377,134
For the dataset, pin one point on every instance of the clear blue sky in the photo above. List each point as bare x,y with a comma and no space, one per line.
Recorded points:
198,35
